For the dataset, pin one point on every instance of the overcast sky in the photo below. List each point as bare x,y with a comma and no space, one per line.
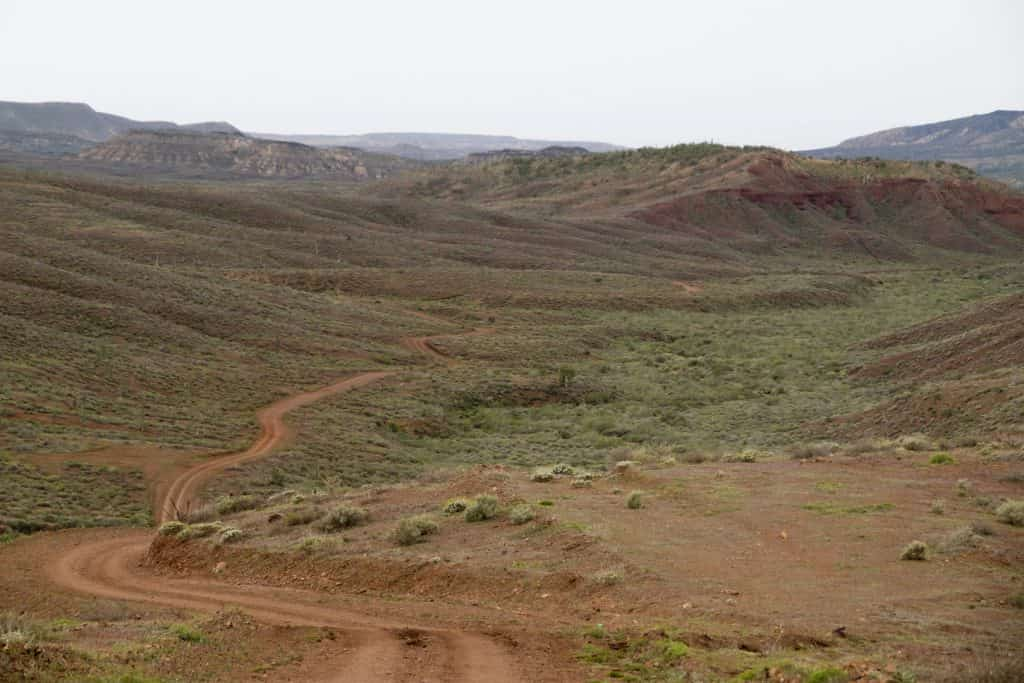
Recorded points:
793,74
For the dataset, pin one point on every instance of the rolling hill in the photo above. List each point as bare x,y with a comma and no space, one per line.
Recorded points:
992,144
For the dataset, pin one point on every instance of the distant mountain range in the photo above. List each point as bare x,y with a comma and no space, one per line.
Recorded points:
62,129
436,146
65,121
991,144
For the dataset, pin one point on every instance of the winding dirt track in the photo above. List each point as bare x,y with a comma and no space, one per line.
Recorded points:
111,568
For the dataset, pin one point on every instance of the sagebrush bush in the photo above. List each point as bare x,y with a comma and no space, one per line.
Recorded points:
312,544
635,500
172,528
915,550
412,529
563,469
521,514
1011,512
916,442
484,506
938,507
343,517
302,516
454,506
542,475
231,535
200,530
229,505
607,577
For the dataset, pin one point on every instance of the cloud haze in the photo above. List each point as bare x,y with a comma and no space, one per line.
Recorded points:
791,74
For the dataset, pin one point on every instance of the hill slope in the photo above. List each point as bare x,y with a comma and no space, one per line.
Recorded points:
234,154
992,144
723,202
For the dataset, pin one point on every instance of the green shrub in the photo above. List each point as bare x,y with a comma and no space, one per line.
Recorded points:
454,506
916,442
187,633
200,530
743,456
915,550
412,529
542,475
172,528
312,544
521,514
343,517
231,535
1011,512
827,675
671,651
607,577
941,459
302,516
229,505
635,500
563,469
484,506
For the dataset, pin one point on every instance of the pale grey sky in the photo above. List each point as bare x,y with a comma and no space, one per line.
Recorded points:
793,74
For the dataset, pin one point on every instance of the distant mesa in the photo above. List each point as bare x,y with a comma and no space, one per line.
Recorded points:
440,146
235,154
991,144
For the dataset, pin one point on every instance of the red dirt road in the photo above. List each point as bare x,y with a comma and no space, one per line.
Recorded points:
111,568
183,491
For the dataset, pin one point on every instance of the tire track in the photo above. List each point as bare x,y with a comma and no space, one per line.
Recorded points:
111,568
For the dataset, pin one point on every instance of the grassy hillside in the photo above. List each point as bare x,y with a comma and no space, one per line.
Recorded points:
162,315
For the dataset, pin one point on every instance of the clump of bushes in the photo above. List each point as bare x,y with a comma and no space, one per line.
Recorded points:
187,633
941,459
172,528
959,541
635,500
1011,512
563,469
302,516
412,529
312,544
231,535
229,505
743,456
916,442
343,517
484,506
542,475
915,550
521,514
455,506
607,577
200,530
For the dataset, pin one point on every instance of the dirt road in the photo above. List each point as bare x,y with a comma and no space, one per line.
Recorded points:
111,568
